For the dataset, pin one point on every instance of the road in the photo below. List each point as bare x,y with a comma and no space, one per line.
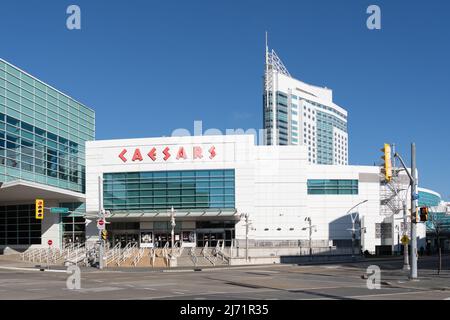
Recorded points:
331,281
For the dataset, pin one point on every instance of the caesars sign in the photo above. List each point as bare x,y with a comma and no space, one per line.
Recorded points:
167,153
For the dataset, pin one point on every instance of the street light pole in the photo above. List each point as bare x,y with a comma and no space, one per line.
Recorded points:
172,223
247,226
101,215
413,212
310,227
353,225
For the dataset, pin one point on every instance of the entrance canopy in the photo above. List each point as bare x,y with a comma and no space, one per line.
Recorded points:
21,190
194,213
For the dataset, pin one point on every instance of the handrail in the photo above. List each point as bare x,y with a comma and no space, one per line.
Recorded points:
113,254
126,252
153,256
193,256
139,256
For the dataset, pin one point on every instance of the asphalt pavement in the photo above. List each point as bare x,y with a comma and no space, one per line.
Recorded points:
340,281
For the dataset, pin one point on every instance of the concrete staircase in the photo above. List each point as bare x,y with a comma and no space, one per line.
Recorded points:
203,258
143,258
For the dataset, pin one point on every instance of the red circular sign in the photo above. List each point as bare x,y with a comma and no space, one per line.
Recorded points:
50,242
101,222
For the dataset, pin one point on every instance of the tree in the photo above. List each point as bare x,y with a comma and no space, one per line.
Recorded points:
438,223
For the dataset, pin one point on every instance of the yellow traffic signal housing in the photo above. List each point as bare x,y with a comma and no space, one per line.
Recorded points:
415,216
39,209
387,161
423,214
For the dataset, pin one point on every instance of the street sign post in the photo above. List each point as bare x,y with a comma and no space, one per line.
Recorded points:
101,224
405,240
49,242
59,210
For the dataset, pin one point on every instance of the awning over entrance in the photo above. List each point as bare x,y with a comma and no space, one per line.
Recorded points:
179,213
21,190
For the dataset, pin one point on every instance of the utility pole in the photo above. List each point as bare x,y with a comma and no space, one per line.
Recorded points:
414,196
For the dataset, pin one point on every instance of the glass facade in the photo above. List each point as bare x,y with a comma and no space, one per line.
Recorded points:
319,131
18,225
333,187
193,189
427,199
42,132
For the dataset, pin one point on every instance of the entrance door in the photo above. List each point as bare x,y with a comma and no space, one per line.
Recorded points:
125,238
210,236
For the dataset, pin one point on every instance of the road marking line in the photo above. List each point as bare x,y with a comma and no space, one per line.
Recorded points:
30,269
391,294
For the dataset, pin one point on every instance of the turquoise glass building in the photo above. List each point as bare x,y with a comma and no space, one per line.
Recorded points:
42,155
42,132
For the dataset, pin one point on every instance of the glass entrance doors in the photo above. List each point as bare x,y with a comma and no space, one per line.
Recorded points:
213,235
125,238
161,238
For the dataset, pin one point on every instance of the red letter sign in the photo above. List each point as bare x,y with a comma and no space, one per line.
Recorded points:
212,152
181,153
152,154
121,155
166,153
198,153
137,155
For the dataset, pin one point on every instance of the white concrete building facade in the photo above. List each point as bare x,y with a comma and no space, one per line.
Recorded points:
214,181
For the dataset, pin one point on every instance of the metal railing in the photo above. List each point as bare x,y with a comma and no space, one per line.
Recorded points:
113,255
127,252
76,254
138,256
193,256
152,256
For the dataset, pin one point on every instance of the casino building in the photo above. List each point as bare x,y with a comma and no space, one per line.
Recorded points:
42,155
215,184
212,182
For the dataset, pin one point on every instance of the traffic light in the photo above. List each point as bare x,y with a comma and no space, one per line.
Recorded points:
387,161
104,235
39,209
423,214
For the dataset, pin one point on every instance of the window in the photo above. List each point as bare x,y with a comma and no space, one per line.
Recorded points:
164,189
18,225
38,151
332,187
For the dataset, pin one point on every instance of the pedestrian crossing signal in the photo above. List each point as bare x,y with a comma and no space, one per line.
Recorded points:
423,214
104,235
39,209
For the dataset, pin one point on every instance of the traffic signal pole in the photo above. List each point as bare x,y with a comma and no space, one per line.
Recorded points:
414,195
405,246
100,216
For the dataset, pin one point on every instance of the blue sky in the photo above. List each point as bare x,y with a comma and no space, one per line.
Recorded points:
148,67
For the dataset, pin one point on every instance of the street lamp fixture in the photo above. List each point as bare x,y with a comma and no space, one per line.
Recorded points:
353,230
172,224
310,227
247,226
